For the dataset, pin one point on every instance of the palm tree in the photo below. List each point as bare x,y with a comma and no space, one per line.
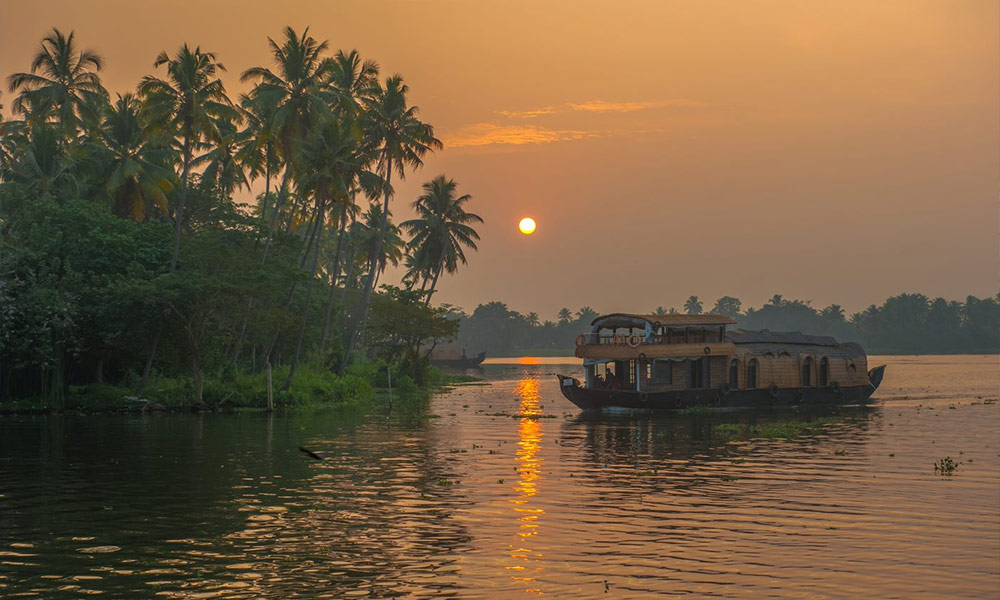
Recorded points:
693,306
187,106
441,228
565,315
352,81
227,163
63,84
401,140
329,165
296,96
660,311
40,166
140,176
393,247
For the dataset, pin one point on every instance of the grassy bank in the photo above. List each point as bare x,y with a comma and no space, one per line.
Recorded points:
312,388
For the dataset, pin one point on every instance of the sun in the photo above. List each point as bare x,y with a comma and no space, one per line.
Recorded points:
527,226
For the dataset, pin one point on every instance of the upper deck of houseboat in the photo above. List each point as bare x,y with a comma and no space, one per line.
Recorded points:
630,336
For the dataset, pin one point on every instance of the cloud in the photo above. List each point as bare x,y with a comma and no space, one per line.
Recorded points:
528,114
489,134
626,107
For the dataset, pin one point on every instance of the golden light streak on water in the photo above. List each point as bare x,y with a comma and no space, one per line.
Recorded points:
528,464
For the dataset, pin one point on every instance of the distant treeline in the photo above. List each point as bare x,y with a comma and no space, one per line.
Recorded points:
904,324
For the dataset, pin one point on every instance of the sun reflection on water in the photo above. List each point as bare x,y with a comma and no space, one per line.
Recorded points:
527,562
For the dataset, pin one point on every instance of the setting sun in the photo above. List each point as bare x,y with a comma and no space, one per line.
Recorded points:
527,226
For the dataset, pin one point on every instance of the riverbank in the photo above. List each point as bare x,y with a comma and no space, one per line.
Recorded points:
312,388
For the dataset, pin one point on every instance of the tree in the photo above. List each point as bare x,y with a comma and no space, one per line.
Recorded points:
565,315
728,306
186,107
296,98
139,176
62,84
441,230
401,140
692,305
330,162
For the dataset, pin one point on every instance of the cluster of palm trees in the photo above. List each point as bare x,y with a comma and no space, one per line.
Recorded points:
319,131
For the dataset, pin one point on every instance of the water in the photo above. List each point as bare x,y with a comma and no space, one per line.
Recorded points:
504,490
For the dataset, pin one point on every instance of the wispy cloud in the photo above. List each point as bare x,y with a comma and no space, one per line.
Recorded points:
528,114
489,134
626,107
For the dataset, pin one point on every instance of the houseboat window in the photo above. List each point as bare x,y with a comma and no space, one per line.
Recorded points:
734,374
807,366
663,372
697,375
752,373
824,372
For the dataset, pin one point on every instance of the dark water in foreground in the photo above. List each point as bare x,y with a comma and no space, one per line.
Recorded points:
475,503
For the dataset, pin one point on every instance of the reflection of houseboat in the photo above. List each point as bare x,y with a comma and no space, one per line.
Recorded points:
675,361
453,357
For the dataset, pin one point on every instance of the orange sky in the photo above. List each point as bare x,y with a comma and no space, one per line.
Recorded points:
828,151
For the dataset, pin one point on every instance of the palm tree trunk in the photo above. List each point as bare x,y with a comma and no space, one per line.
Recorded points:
370,280
334,272
305,309
182,197
282,192
178,219
437,273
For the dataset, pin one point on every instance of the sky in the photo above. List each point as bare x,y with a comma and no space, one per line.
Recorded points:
836,152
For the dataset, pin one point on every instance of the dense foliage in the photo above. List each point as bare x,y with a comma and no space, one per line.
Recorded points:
905,324
129,267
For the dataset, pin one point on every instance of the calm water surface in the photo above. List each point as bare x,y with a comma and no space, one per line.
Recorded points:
505,490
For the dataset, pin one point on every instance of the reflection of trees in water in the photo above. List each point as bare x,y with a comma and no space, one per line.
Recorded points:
644,453
525,561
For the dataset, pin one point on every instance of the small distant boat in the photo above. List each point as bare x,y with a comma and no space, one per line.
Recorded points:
679,361
446,357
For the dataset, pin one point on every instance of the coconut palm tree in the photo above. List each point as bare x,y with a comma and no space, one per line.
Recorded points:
401,140
351,80
329,164
187,106
297,96
393,246
228,161
140,175
62,85
41,167
693,306
441,229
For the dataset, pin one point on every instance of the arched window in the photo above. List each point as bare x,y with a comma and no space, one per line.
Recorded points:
752,374
807,367
824,372
734,374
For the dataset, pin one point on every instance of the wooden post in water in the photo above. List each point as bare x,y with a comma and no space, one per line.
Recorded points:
388,375
270,389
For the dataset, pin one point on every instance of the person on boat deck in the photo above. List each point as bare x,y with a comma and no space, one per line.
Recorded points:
612,381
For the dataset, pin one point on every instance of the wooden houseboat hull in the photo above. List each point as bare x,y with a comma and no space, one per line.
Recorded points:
594,399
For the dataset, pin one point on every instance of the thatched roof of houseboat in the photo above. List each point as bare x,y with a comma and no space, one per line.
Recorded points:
742,336
632,320
775,342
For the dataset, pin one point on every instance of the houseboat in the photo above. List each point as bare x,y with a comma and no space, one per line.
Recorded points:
679,361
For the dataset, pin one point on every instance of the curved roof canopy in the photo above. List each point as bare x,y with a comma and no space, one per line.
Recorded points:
616,320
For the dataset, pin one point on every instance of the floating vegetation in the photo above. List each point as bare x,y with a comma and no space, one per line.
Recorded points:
946,466
521,415
777,430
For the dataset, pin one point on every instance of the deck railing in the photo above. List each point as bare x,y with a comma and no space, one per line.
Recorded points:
689,336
